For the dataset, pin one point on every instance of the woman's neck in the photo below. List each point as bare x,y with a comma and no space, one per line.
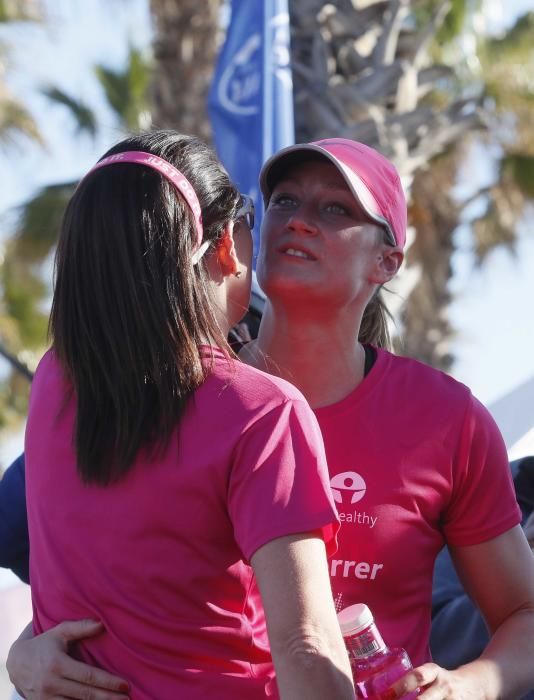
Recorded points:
322,359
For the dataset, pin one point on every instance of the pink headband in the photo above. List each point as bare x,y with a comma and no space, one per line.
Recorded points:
173,175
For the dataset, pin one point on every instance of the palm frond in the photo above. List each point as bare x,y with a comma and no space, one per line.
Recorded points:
16,121
83,115
40,220
518,168
517,42
498,225
127,90
115,87
23,294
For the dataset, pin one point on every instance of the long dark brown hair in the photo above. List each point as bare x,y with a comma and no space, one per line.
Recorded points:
129,309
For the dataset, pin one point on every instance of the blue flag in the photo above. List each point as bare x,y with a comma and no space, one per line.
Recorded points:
251,98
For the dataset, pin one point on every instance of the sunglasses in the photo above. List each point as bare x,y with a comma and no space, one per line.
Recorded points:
246,211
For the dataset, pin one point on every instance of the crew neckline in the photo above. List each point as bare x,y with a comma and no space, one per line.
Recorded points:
364,388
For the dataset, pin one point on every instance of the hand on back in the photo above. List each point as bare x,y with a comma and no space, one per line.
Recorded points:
40,667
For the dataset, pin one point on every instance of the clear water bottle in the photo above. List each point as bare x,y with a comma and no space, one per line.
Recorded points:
375,667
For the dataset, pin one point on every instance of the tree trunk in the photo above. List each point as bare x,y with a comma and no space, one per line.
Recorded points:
359,73
434,215
362,72
185,49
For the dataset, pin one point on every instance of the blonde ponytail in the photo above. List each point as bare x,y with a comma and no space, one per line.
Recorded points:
374,329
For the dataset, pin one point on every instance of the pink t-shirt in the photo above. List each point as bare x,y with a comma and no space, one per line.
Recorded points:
414,461
162,557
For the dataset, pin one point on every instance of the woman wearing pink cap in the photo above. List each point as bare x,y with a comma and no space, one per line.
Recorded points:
415,461
167,483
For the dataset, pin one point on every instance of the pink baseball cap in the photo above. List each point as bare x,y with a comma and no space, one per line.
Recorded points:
372,179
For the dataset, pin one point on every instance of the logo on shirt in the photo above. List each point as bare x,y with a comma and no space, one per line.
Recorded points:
348,487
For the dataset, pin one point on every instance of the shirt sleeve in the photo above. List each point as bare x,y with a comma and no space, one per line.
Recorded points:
279,480
483,503
14,539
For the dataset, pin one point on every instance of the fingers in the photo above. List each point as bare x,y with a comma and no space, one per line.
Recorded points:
69,690
419,677
74,680
42,668
94,678
74,630
433,682
61,676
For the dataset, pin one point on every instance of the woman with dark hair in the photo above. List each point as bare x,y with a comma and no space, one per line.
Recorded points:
167,482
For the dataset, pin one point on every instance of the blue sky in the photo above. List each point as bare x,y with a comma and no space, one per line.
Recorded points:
491,308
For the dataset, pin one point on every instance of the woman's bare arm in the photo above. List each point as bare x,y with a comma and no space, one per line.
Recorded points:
499,576
309,655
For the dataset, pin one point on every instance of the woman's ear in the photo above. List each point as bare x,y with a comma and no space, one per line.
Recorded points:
225,251
387,264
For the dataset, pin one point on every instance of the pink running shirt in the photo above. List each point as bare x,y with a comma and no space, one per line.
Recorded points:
414,461
162,556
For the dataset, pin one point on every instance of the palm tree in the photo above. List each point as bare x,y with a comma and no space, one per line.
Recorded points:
25,269
371,73
16,125
508,101
505,64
